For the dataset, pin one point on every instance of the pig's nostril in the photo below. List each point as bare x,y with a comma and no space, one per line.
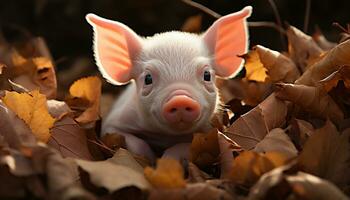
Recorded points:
173,110
189,109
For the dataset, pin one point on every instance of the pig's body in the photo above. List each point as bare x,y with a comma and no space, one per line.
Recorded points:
172,93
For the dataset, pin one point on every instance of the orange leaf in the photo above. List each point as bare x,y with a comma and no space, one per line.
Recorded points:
204,149
249,166
32,108
88,91
255,70
168,174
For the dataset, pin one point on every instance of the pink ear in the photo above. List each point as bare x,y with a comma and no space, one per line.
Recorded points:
227,38
115,45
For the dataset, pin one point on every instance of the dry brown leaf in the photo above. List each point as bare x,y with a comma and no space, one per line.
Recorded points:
196,191
31,107
251,128
87,90
279,67
322,41
204,150
300,131
334,59
14,130
282,183
228,149
249,166
255,70
193,24
112,175
196,175
277,140
69,139
342,74
302,48
168,174
327,153
250,92
313,99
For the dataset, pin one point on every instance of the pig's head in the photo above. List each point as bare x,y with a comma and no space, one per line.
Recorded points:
174,71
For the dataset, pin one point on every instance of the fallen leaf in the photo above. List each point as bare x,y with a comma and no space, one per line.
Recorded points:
279,67
312,99
251,128
302,48
282,183
300,131
249,166
36,73
168,174
31,107
112,176
14,130
193,24
204,150
255,70
228,150
196,175
334,59
277,140
322,41
69,139
331,81
87,90
195,191
326,154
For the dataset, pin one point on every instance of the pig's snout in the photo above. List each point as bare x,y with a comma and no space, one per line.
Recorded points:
181,108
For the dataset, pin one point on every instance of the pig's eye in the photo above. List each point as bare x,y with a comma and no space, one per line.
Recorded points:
148,79
206,75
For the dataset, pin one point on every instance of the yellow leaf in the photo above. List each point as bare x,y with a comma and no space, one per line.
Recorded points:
168,174
249,166
255,70
31,107
86,89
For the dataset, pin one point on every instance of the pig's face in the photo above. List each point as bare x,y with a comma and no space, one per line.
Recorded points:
174,71
175,82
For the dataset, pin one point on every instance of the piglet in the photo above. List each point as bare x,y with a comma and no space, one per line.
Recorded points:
172,91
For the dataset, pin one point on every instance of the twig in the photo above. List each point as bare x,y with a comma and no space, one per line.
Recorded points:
202,8
214,14
307,15
279,22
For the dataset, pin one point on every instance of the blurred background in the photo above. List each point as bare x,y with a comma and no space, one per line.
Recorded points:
69,37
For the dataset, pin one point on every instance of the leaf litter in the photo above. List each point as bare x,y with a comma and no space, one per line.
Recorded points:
284,134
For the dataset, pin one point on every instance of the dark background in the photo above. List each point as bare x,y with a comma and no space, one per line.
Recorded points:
62,22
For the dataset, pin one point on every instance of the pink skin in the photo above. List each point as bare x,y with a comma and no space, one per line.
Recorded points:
181,108
180,98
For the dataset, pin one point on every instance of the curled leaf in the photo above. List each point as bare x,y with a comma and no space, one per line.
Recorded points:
302,48
313,99
334,59
279,67
85,97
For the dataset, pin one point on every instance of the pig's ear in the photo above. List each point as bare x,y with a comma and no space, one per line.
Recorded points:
226,39
115,46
